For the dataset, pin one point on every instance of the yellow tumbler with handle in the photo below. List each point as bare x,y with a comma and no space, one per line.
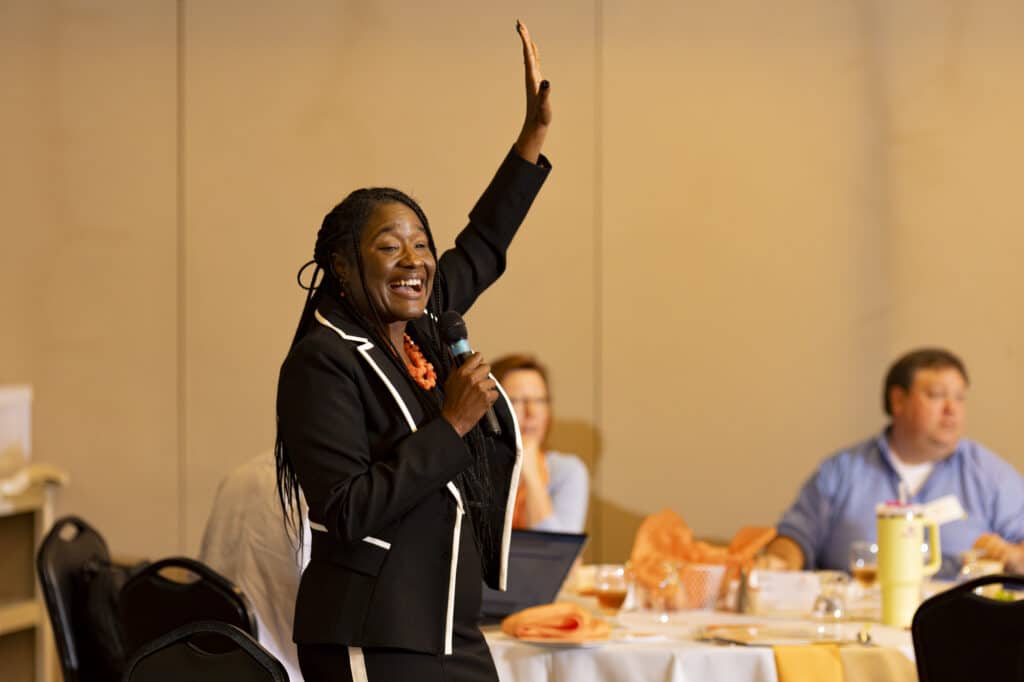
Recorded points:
901,568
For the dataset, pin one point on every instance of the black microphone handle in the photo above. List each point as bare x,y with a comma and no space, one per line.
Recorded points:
490,419
492,422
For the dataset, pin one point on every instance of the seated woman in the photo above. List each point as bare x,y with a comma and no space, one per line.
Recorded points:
553,487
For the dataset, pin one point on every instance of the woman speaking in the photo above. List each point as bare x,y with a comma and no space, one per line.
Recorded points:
410,502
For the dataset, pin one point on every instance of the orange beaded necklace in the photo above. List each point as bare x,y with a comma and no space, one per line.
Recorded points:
421,371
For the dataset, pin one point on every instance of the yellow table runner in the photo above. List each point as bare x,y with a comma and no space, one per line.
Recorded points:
830,663
876,664
813,663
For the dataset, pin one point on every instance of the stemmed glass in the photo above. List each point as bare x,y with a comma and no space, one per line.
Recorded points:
864,563
864,569
611,584
830,605
665,594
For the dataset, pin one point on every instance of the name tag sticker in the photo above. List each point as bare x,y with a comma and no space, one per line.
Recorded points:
944,510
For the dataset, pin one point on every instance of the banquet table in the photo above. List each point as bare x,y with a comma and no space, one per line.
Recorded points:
669,652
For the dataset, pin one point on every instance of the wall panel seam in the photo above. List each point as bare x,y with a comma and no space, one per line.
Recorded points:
182,288
598,226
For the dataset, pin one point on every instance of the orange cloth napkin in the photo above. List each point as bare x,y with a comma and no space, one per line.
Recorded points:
665,537
561,621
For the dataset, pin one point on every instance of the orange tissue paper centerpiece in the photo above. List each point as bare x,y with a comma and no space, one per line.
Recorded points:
664,538
561,622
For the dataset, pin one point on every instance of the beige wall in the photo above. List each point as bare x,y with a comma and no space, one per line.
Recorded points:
92,241
754,208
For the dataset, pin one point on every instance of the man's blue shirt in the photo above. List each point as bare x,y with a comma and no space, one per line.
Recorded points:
836,506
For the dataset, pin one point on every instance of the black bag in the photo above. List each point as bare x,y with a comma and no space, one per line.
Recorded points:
100,643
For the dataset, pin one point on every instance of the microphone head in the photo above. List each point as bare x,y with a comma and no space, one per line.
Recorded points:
452,327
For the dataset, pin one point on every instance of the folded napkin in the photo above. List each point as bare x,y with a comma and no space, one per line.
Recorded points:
831,663
808,663
561,621
868,664
665,537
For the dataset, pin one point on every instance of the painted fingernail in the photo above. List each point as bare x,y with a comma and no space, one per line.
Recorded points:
519,27
544,85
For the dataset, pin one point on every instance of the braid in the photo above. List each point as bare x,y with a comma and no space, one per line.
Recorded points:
340,233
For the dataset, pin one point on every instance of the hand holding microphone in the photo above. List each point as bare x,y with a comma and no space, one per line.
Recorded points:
469,391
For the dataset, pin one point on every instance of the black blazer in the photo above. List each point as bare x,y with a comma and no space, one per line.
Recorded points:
377,474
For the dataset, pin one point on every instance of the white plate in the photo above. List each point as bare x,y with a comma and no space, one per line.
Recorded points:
616,638
776,634
556,644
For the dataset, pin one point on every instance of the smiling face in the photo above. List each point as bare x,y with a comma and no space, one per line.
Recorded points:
397,264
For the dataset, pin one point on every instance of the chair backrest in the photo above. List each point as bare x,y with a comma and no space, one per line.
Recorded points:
178,656
153,605
67,550
961,635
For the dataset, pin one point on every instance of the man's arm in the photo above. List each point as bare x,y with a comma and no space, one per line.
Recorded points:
995,547
782,554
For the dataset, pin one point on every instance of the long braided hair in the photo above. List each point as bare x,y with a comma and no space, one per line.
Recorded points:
341,233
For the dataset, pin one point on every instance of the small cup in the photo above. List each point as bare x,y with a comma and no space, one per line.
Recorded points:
665,596
611,585
830,605
864,563
702,584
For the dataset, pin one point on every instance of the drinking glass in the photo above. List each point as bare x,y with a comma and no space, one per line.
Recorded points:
830,605
665,594
611,584
864,563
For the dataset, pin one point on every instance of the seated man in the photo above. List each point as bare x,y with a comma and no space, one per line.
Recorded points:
924,450
246,541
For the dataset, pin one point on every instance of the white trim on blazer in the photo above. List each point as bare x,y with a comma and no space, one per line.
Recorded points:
449,614
383,544
364,350
513,492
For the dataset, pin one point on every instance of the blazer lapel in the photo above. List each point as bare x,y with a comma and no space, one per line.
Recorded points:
378,362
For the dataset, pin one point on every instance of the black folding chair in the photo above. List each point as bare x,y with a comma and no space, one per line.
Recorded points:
180,655
153,604
960,635
73,562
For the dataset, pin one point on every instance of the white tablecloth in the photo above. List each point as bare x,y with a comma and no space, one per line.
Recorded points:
675,658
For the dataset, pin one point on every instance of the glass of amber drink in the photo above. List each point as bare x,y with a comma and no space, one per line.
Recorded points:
611,585
864,563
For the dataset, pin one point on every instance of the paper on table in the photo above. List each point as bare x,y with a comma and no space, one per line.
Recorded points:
782,591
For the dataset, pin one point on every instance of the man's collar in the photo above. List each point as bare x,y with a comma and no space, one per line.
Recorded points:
882,441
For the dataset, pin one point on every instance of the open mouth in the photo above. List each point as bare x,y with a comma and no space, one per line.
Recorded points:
409,288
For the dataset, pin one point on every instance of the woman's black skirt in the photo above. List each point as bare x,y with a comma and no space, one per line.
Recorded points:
470,661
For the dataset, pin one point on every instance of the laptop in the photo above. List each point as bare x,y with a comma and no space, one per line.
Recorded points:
538,564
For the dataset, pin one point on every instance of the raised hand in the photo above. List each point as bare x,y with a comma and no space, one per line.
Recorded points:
538,100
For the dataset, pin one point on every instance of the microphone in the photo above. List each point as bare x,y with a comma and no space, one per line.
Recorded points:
453,333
